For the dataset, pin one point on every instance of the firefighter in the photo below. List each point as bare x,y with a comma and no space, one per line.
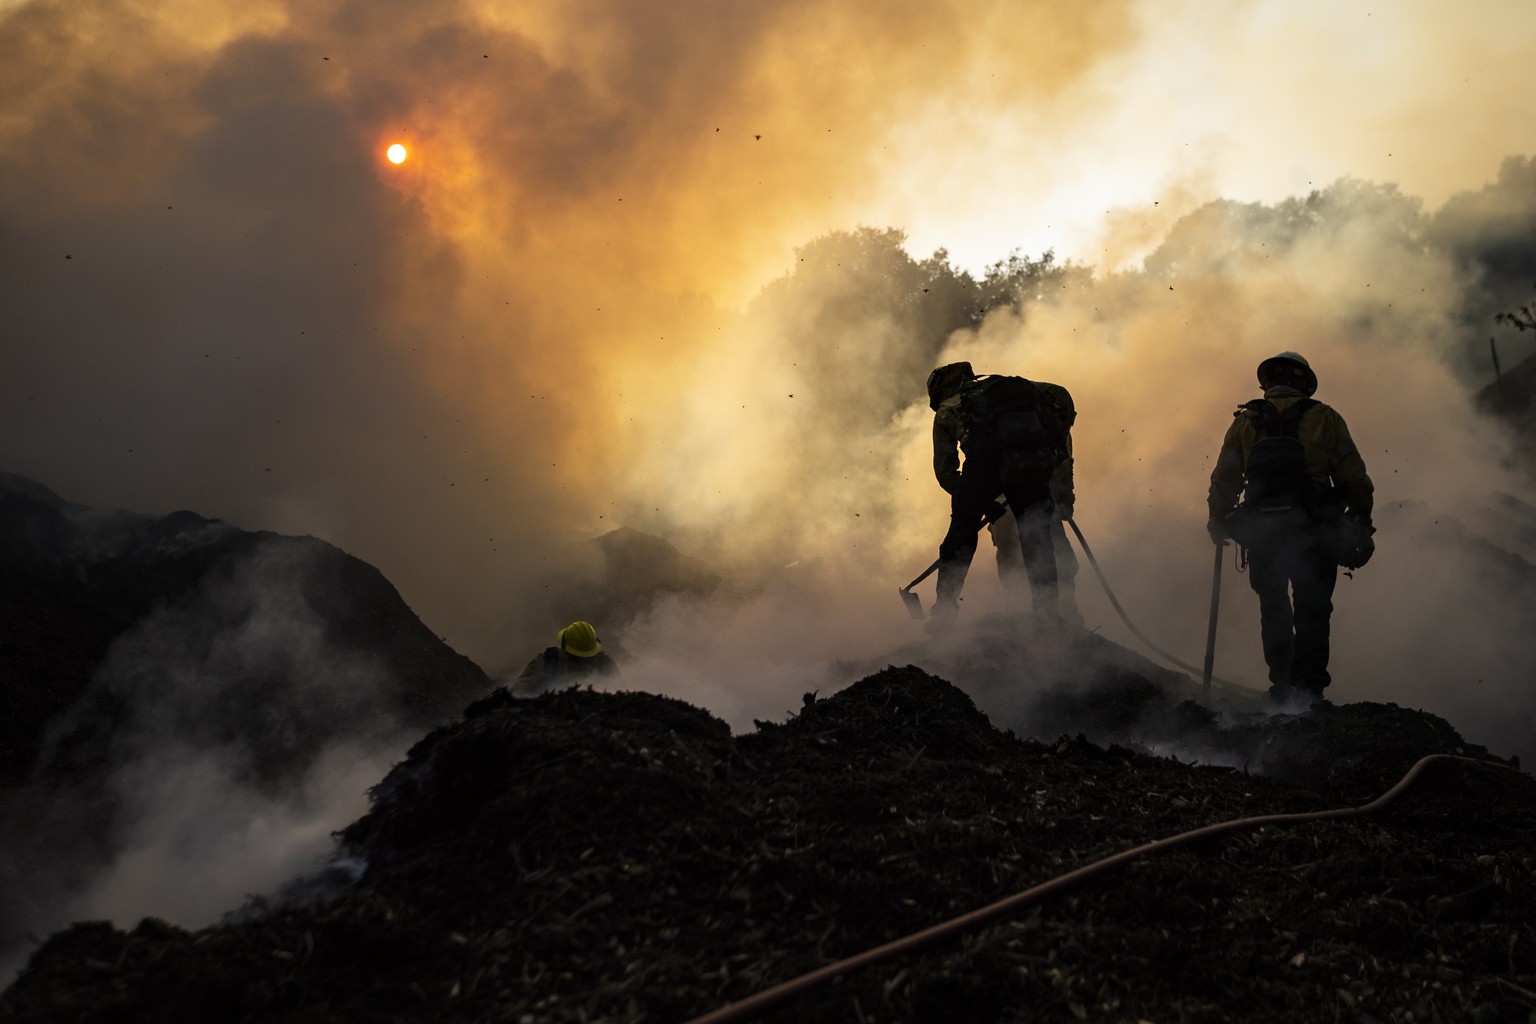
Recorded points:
1305,510
577,657
1005,531
1023,478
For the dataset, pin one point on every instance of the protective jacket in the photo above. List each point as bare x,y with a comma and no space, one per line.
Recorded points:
949,432
554,668
1333,462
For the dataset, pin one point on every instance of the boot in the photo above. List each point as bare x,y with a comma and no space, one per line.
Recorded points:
942,618
1046,601
1066,596
946,607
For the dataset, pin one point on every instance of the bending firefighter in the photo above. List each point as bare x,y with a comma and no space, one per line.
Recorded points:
1014,446
1005,530
1305,510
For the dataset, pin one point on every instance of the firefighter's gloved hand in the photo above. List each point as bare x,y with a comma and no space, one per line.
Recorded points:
996,512
1364,522
1063,510
1218,531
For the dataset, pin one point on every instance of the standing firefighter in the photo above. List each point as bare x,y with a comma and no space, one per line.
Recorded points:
1306,510
1012,442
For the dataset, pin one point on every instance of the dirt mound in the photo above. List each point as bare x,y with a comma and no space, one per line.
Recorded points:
620,857
468,781
99,608
138,650
1344,751
896,712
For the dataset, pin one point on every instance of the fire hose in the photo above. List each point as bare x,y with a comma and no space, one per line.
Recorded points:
755,1005
1094,562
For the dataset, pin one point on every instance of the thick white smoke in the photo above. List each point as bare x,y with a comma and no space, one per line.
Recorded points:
1157,359
223,739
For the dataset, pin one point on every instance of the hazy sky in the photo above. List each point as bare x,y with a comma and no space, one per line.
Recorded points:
217,294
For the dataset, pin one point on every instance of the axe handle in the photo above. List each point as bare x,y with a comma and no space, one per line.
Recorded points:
926,573
993,515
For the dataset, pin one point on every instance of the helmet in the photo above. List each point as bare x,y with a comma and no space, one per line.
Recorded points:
580,639
1352,543
1288,368
946,380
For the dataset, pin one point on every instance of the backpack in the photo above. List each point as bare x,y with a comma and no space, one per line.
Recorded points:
1006,417
1059,400
1276,475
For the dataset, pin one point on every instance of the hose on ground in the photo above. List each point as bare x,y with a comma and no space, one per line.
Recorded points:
755,1005
1083,543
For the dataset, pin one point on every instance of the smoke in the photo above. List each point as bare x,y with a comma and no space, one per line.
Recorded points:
1157,359
202,839
620,282
221,297
223,739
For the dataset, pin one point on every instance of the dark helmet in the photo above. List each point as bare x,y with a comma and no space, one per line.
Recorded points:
1352,543
946,380
1288,368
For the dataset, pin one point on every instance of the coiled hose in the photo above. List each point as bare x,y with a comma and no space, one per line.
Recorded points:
755,1005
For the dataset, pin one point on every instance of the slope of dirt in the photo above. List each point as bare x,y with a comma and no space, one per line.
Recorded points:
77,582
136,649
621,857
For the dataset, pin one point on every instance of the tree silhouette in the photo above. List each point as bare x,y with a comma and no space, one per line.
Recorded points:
862,319
1522,319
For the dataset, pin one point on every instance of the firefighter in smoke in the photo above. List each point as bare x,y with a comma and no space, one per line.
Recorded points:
1039,497
1004,530
1305,510
577,657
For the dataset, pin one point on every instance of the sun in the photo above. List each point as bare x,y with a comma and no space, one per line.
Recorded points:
396,153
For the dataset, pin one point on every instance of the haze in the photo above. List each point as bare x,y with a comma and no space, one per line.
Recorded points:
217,294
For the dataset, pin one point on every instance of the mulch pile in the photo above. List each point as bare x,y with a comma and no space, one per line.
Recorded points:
621,857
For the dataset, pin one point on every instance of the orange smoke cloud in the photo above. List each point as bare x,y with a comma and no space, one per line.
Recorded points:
461,366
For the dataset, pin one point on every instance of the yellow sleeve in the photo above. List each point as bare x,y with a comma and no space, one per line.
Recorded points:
1227,477
1347,468
946,453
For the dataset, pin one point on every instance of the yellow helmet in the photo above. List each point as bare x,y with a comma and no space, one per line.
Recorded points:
580,639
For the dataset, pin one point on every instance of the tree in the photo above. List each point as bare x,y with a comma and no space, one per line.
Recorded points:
1522,319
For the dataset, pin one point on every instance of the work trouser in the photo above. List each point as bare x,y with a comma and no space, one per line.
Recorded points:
981,481
1011,571
1294,575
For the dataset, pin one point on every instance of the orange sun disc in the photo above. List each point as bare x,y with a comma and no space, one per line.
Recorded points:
396,154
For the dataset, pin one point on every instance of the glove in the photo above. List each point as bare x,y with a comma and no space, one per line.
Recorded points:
1063,510
1352,544
1364,522
1218,531
996,512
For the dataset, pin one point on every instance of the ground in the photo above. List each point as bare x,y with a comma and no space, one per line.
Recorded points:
622,857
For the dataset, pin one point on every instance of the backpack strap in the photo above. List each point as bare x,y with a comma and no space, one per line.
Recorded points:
1269,421
1289,420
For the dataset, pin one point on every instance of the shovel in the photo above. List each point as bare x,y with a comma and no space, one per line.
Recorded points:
912,601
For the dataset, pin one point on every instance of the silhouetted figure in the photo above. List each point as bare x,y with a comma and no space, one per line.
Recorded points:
1306,510
1012,443
1005,531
